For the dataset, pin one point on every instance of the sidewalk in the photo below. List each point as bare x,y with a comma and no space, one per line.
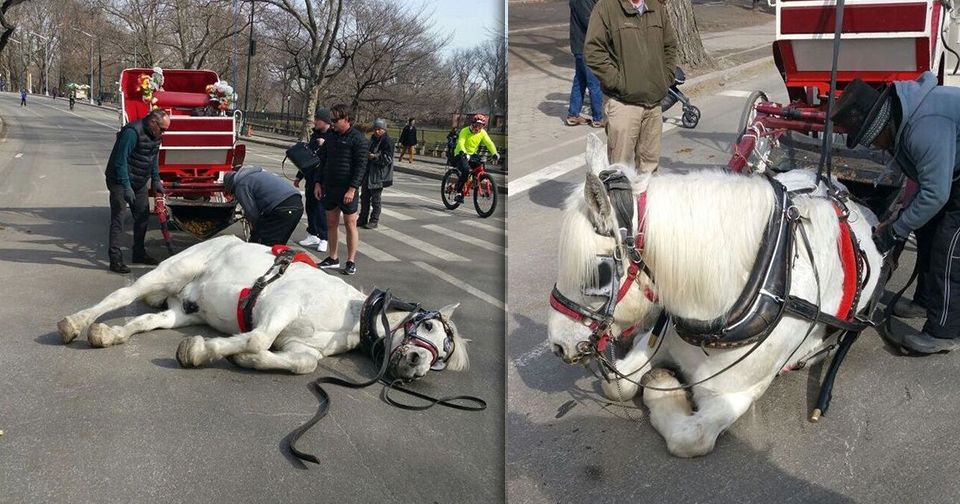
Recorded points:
542,69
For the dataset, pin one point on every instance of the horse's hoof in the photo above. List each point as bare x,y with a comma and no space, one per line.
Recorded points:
657,375
102,336
190,352
68,330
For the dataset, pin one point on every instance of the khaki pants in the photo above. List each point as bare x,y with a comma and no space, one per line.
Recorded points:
633,134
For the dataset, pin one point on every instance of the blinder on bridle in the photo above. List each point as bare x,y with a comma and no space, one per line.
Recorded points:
411,337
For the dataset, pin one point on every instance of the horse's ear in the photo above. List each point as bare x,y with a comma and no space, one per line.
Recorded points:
596,154
447,311
597,202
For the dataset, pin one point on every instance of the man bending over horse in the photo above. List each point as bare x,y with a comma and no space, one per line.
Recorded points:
271,206
918,122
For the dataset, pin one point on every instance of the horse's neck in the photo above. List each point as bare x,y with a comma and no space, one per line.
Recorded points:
702,238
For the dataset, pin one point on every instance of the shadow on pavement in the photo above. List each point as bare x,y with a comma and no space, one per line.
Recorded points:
551,193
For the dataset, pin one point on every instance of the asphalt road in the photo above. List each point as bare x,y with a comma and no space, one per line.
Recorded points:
127,424
889,437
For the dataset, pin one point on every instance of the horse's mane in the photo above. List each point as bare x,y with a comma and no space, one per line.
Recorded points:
703,232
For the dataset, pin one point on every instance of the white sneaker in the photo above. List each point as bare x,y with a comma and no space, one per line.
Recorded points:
322,246
310,241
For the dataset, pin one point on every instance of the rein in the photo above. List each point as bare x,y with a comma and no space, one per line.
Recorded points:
383,301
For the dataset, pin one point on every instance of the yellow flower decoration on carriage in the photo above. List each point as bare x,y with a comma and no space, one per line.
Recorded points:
149,84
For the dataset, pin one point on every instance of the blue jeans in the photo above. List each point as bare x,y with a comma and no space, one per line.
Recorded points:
584,79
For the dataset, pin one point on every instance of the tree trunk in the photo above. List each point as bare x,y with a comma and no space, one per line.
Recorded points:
690,50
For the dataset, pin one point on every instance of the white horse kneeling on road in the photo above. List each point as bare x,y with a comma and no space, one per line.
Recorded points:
697,238
297,319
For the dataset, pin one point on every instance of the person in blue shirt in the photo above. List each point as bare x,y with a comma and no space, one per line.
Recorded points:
133,162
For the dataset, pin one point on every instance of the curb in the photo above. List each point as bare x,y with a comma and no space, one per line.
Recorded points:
699,85
435,174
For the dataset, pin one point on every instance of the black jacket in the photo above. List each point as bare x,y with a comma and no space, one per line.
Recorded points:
343,160
142,160
408,136
380,170
579,19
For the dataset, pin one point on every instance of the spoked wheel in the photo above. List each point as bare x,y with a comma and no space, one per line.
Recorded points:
691,117
448,188
485,196
749,113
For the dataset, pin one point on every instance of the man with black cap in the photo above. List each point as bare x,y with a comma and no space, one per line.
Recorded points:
316,216
918,123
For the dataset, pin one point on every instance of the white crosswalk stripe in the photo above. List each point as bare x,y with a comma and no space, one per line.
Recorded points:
465,238
395,214
365,249
485,227
421,245
459,283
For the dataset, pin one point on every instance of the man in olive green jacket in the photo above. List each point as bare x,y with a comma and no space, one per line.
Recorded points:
632,48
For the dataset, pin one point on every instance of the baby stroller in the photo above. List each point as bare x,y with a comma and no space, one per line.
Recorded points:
691,114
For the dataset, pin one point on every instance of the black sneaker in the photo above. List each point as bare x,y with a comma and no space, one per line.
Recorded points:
119,267
350,268
458,198
145,259
329,263
371,225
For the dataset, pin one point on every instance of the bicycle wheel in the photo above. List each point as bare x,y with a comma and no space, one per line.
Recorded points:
448,188
485,196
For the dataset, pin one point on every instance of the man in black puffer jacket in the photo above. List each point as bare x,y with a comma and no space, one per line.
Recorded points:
343,162
133,161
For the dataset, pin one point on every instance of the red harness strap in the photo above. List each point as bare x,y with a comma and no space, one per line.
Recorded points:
848,258
301,257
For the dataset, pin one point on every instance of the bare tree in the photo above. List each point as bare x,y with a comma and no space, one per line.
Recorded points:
319,22
6,26
491,58
690,50
464,77
142,21
198,27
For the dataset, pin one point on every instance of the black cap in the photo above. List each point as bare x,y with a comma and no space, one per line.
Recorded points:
859,108
323,114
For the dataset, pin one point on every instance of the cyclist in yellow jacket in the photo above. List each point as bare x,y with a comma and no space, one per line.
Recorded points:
468,141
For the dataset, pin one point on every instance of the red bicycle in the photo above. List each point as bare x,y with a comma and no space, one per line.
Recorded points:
478,182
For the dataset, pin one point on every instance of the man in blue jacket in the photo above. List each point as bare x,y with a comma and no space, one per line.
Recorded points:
271,206
133,162
918,123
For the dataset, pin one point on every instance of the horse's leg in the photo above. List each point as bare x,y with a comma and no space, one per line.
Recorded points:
295,357
632,365
691,433
102,335
196,350
154,286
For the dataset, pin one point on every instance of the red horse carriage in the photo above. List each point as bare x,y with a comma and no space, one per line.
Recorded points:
880,42
200,145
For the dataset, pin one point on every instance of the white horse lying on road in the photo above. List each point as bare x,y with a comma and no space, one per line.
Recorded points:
298,319
700,238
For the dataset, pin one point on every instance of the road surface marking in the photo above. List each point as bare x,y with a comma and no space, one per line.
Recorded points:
395,214
545,174
487,227
465,238
538,28
272,158
460,284
363,248
535,353
421,245
734,93
553,147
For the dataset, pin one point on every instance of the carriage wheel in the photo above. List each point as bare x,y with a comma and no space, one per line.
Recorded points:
749,113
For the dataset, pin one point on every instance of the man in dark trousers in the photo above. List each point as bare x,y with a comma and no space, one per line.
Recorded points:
379,174
316,215
583,78
133,161
270,205
23,97
343,161
916,122
408,139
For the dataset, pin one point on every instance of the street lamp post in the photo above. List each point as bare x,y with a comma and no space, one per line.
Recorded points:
250,51
46,63
90,80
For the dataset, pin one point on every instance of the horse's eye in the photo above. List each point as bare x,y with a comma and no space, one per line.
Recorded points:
428,325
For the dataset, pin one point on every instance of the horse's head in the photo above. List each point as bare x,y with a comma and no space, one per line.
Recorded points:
429,341
603,289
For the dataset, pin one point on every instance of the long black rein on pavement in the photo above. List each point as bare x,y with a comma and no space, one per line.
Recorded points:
324,398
